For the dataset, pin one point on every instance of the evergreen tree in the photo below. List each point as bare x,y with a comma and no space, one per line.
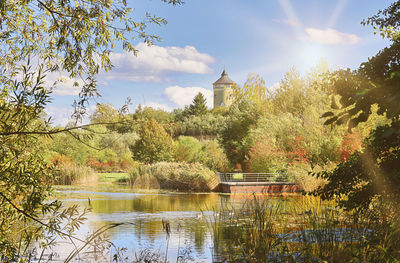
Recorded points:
198,106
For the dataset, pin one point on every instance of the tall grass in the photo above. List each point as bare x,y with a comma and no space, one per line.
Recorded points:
70,173
173,176
306,231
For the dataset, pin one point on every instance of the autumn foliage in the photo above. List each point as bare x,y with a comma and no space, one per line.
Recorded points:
351,142
265,156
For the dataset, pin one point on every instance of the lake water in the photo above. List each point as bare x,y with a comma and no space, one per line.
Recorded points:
188,215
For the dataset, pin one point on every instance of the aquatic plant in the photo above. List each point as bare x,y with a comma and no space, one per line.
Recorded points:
174,176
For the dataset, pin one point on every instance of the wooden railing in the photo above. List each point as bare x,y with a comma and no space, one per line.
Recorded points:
254,177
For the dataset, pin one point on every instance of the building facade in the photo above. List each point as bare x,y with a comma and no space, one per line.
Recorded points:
223,91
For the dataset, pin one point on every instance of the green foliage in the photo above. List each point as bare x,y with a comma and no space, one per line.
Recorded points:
174,176
387,21
22,168
291,96
234,138
112,118
187,149
75,37
198,106
214,157
154,144
368,176
149,113
113,177
255,90
208,125
66,145
26,179
104,113
98,148
314,142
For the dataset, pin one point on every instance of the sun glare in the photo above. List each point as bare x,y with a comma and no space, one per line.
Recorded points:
308,56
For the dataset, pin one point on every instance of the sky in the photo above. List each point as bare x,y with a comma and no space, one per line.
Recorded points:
265,37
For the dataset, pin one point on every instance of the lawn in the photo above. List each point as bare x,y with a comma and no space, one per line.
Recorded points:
113,177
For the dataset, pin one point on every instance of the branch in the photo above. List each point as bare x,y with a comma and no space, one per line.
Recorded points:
57,131
37,220
50,11
89,240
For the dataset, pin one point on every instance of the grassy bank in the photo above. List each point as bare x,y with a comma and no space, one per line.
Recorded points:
173,176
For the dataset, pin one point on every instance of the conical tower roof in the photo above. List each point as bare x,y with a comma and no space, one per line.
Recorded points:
224,79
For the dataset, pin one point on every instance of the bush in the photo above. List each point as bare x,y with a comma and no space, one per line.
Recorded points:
70,173
301,172
174,176
214,157
187,149
265,157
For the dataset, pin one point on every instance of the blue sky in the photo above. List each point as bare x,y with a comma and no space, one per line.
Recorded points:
266,37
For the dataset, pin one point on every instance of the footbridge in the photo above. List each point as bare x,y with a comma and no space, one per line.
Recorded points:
256,183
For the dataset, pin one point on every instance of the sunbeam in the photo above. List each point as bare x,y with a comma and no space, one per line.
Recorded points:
336,13
291,14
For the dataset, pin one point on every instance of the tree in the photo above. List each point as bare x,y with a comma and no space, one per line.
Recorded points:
371,175
266,157
235,137
115,120
148,113
72,38
105,113
291,96
255,90
154,145
198,106
187,149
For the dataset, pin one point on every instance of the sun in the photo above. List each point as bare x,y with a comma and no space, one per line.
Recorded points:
308,55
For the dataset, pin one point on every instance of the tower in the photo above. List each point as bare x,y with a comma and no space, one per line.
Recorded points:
223,91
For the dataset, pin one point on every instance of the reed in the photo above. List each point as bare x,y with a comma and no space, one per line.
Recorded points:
173,176
308,230
70,173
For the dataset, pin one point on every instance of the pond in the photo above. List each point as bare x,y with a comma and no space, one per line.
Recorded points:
189,216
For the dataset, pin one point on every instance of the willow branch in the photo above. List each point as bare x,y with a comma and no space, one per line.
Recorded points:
51,132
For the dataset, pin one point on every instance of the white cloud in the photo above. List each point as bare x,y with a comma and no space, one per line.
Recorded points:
331,37
156,105
154,63
62,115
63,85
59,116
184,96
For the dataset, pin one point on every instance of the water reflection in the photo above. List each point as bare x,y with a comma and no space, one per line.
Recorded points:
190,217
